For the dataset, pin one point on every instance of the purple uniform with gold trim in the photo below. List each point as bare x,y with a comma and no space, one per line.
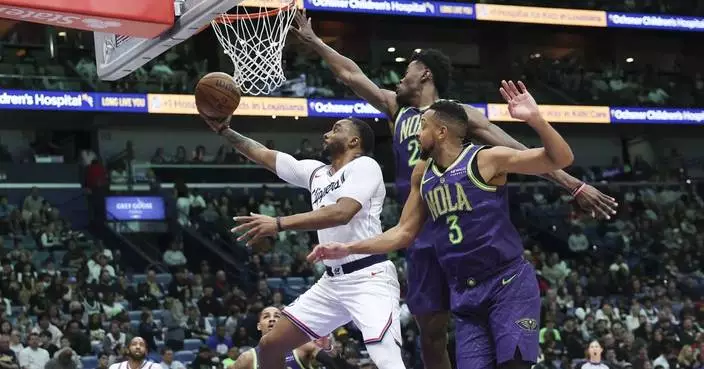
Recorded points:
494,293
427,287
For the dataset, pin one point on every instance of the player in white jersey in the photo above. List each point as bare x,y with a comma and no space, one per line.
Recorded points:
347,197
136,357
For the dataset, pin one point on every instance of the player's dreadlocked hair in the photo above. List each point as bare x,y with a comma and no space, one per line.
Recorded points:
366,135
439,65
453,113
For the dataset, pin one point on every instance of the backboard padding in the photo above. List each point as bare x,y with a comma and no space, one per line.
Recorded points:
117,56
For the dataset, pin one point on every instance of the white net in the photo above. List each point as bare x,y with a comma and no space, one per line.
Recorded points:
254,39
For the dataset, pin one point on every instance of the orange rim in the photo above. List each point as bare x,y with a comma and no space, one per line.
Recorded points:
229,18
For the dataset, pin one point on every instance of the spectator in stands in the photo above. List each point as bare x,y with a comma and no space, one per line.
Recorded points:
577,241
115,340
208,304
79,340
168,362
49,239
219,341
33,356
174,322
15,344
204,360
148,329
111,308
32,205
8,358
97,265
64,359
155,288
197,326
46,343
174,257
44,325
158,157
143,299
267,207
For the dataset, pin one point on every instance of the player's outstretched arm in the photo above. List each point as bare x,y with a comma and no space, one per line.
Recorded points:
588,197
345,69
246,146
401,236
500,160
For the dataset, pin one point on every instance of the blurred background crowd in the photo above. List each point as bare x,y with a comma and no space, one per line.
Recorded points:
76,286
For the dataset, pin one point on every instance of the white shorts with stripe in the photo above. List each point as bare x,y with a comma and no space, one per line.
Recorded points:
368,297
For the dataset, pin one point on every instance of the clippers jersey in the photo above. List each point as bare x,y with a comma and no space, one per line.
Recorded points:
471,226
292,360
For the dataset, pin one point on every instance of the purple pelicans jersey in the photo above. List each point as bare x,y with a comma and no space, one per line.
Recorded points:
471,226
494,292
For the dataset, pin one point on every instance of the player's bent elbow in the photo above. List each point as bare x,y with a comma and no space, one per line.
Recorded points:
565,160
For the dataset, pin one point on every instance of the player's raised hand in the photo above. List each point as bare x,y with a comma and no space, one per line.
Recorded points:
595,202
521,104
332,250
217,125
255,228
302,27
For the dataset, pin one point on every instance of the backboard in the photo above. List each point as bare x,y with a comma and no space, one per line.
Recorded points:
119,55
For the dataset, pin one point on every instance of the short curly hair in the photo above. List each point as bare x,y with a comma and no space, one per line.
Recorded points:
440,66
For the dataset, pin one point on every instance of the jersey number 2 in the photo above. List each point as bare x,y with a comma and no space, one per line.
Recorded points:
414,152
455,235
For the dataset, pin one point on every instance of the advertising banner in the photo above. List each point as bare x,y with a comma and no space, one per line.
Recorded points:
532,14
556,113
252,106
395,7
620,115
656,21
134,208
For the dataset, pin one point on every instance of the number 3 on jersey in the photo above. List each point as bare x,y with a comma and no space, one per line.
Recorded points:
455,233
413,152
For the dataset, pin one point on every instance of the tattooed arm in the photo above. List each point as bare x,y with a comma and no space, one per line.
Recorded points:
252,149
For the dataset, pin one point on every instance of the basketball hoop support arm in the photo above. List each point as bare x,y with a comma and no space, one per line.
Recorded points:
118,56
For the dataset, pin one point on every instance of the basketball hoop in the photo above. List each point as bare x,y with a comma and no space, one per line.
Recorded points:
254,39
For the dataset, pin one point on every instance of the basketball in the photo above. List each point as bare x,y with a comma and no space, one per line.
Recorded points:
217,96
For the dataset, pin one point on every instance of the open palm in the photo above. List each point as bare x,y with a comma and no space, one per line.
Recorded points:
521,104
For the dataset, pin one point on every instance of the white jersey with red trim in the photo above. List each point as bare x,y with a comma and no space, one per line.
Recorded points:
146,364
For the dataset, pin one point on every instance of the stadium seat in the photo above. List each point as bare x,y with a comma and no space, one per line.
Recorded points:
89,362
274,283
163,278
295,282
97,348
191,344
134,324
184,356
157,314
138,278
134,314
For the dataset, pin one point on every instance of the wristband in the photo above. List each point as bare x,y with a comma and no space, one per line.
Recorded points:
278,225
578,190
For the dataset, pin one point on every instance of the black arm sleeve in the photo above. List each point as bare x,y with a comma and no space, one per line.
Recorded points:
331,362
